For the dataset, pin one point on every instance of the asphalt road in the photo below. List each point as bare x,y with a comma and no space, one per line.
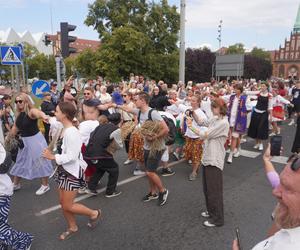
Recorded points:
131,224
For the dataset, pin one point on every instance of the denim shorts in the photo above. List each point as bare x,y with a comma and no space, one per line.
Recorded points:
152,161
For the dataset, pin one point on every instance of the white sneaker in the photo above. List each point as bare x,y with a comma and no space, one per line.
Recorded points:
292,122
243,140
190,161
176,155
43,189
205,214
17,187
208,224
261,147
256,146
128,161
236,154
229,160
138,172
82,190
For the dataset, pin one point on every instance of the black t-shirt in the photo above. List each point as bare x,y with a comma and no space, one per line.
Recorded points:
296,96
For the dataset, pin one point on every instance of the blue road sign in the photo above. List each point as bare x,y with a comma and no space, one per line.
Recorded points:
10,55
39,87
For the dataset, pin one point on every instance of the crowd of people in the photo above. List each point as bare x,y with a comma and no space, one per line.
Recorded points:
83,128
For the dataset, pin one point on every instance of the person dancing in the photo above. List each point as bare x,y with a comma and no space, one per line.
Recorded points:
70,171
213,161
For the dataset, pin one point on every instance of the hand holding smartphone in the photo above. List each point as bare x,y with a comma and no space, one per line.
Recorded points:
276,142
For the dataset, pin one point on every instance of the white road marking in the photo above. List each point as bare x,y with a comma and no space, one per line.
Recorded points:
249,154
83,197
280,159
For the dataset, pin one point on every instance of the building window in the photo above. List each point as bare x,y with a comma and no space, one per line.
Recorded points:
286,55
292,56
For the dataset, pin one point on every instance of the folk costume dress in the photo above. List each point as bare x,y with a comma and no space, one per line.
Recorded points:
259,125
29,163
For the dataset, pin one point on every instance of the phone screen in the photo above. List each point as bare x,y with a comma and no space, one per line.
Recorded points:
276,145
237,233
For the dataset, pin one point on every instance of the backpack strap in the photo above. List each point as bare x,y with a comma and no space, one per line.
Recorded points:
150,114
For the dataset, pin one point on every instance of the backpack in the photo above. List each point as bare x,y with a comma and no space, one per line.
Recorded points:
170,139
6,164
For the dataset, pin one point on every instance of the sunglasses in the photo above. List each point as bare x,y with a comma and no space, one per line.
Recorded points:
86,93
18,101
295,162
124,95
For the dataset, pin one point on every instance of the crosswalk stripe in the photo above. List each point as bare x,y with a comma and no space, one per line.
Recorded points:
279,159
249,154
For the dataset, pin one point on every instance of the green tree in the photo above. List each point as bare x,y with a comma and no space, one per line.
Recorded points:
260,53
137,37
237,48
86,63
45,65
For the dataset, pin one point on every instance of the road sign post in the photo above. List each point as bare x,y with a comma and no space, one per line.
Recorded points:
10,55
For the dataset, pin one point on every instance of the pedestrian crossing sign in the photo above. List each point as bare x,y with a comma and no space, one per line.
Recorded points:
10,55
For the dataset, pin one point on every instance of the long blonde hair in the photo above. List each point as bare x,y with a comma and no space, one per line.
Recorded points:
27,104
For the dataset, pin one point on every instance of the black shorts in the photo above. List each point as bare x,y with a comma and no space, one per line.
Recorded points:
152,161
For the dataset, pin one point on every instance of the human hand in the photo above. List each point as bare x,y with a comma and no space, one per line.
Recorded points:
235,245
189,121
45,119
48,154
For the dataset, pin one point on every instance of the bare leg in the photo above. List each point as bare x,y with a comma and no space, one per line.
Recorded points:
45,181
156,181
17,180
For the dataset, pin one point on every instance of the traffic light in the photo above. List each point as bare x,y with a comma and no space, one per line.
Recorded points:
47,40
65,39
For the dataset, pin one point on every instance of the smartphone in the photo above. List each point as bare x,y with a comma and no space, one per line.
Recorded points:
276,142
237,233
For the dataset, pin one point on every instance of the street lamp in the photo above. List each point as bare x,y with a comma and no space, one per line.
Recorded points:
220,35
182,42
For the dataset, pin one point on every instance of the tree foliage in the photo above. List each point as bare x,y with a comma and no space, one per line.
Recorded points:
137,36
199,64
257,67
43,64
260,53
237,48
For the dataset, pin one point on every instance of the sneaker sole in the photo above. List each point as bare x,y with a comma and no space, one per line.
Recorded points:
164,202
112,195
43,192
151,199
168,174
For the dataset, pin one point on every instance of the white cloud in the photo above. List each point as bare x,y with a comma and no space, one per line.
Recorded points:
241,14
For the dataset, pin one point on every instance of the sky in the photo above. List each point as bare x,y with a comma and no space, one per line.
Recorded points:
261,23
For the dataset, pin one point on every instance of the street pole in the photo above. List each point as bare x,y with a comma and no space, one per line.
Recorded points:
12,76
17,78
58,73
23,74
182,42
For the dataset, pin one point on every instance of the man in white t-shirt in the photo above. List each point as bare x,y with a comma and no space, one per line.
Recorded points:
287,212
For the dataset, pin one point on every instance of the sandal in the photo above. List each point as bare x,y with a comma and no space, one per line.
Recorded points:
67,235
93,222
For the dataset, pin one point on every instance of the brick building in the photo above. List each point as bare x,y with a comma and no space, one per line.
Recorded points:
286,60
79,44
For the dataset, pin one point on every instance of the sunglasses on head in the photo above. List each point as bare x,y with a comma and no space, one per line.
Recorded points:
18,101
294,162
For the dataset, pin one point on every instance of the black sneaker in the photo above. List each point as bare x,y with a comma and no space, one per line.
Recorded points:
150,197
92,192
167,172
115,193
162,198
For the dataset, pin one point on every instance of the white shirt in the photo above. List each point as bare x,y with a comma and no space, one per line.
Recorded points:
86,128
206,106
173,109
6,185
285,239
71,151
189,133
